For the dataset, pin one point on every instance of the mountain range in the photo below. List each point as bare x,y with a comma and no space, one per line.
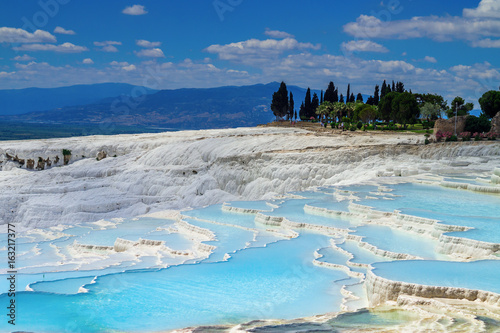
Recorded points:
192,108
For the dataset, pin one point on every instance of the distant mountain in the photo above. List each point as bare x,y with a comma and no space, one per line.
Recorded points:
181,109
19,101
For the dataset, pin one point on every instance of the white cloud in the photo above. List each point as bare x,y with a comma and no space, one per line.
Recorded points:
129,68
147,44
430,59
277,34
62,48
107,42
253,51
24,57
151,53
108,45
486,8
119,63
135,10
6,74
15,35
486,43
363,46
60,30
478,23
88,61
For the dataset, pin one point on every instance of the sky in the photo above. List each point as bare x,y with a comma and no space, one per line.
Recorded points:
447,47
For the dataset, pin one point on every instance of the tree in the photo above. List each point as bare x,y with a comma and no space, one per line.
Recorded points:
348,96
307,104
359,98
328,97
279,105
321,98
365,112
490,103
393,86
336,95
291,106
341,99
384,90
405,108
295,115
370,100
325,109
433,99
479,124
459,106
400,87
350,107
385,106
302,112
352,99
376,97
430,111
314,106
339,110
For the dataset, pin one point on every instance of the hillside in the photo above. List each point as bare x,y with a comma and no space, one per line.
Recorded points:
181,109
19,101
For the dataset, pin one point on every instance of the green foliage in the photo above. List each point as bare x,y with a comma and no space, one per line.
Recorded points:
427,141
365,112
385,106
353,128
66,152
359,125
325,109
291,107
479,124
405,109
331,94
314,105
458,105
430,110
490,103
279,105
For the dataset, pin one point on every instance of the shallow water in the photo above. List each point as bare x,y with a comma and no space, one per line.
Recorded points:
255,271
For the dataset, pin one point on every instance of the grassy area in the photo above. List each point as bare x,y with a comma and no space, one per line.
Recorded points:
27,131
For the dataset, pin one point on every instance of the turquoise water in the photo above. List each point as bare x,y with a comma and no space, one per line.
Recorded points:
477,275
255,270
244,288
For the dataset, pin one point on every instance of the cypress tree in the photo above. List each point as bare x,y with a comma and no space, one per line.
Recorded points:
302,111
384,90
376,97
307,104
347,97
351,98
393,86
341,99
336,95
359,98
291,106
329,93
279,105
314,106
321,99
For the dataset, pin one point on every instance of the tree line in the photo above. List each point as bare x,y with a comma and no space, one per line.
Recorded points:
390,103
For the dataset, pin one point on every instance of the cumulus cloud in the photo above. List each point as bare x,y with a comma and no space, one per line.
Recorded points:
108,45
430,59
88,61
486,43
253,50
60,30
129,68
24,57
147,44
479,23
15,35
134,10
363,46
486,8
62,48
151,53
278,34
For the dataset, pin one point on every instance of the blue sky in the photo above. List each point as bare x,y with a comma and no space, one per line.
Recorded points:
451,48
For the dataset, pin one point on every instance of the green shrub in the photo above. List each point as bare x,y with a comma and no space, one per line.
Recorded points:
66,152
451,138
333,125
427,141
359,125
479,124
353,128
